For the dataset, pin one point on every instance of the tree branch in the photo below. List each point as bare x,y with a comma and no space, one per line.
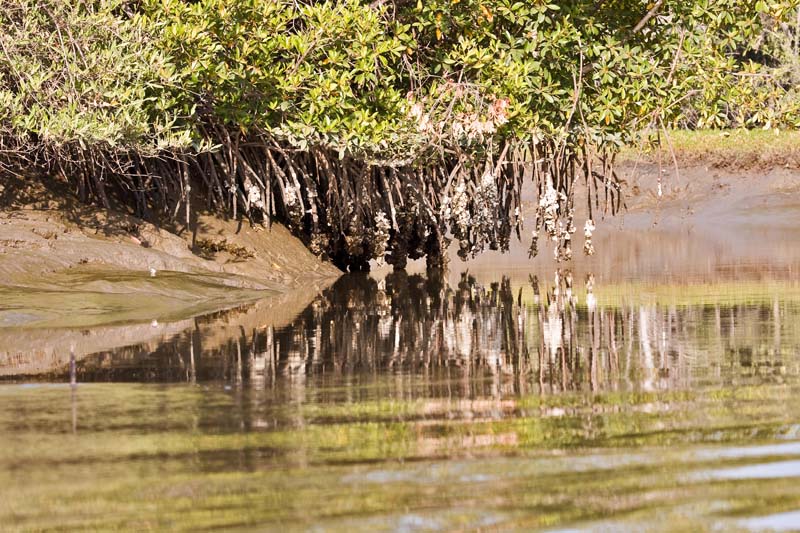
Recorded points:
650,14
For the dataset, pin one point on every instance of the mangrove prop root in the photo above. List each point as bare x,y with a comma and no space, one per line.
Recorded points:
353,211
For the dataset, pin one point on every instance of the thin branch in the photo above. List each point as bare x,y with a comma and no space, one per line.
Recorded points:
650,14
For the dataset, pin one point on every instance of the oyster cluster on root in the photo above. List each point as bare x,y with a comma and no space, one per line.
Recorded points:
352,211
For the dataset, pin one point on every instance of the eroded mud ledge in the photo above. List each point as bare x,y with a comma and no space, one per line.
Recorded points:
66,264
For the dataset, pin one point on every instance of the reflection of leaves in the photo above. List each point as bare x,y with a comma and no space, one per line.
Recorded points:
391,446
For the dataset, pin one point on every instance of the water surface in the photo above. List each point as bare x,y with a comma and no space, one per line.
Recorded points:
540,400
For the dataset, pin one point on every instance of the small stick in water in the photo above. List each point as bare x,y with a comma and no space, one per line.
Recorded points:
73,377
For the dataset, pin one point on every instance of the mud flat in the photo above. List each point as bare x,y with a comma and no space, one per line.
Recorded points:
44,229
73,277
710,222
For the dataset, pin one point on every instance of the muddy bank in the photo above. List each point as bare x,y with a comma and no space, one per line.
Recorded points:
66,264
45,229
707,213
709,223
75,279
706,218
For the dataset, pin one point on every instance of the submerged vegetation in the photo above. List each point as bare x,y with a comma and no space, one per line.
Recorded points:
376,130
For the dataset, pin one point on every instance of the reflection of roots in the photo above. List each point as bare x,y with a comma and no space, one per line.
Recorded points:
501,339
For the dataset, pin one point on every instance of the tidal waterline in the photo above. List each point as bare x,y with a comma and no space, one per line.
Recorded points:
546,401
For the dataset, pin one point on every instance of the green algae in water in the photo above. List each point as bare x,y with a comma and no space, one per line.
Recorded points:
187,457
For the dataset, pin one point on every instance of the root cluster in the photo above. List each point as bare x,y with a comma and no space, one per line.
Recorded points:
352,211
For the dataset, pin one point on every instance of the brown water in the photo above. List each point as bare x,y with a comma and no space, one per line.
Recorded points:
405,403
